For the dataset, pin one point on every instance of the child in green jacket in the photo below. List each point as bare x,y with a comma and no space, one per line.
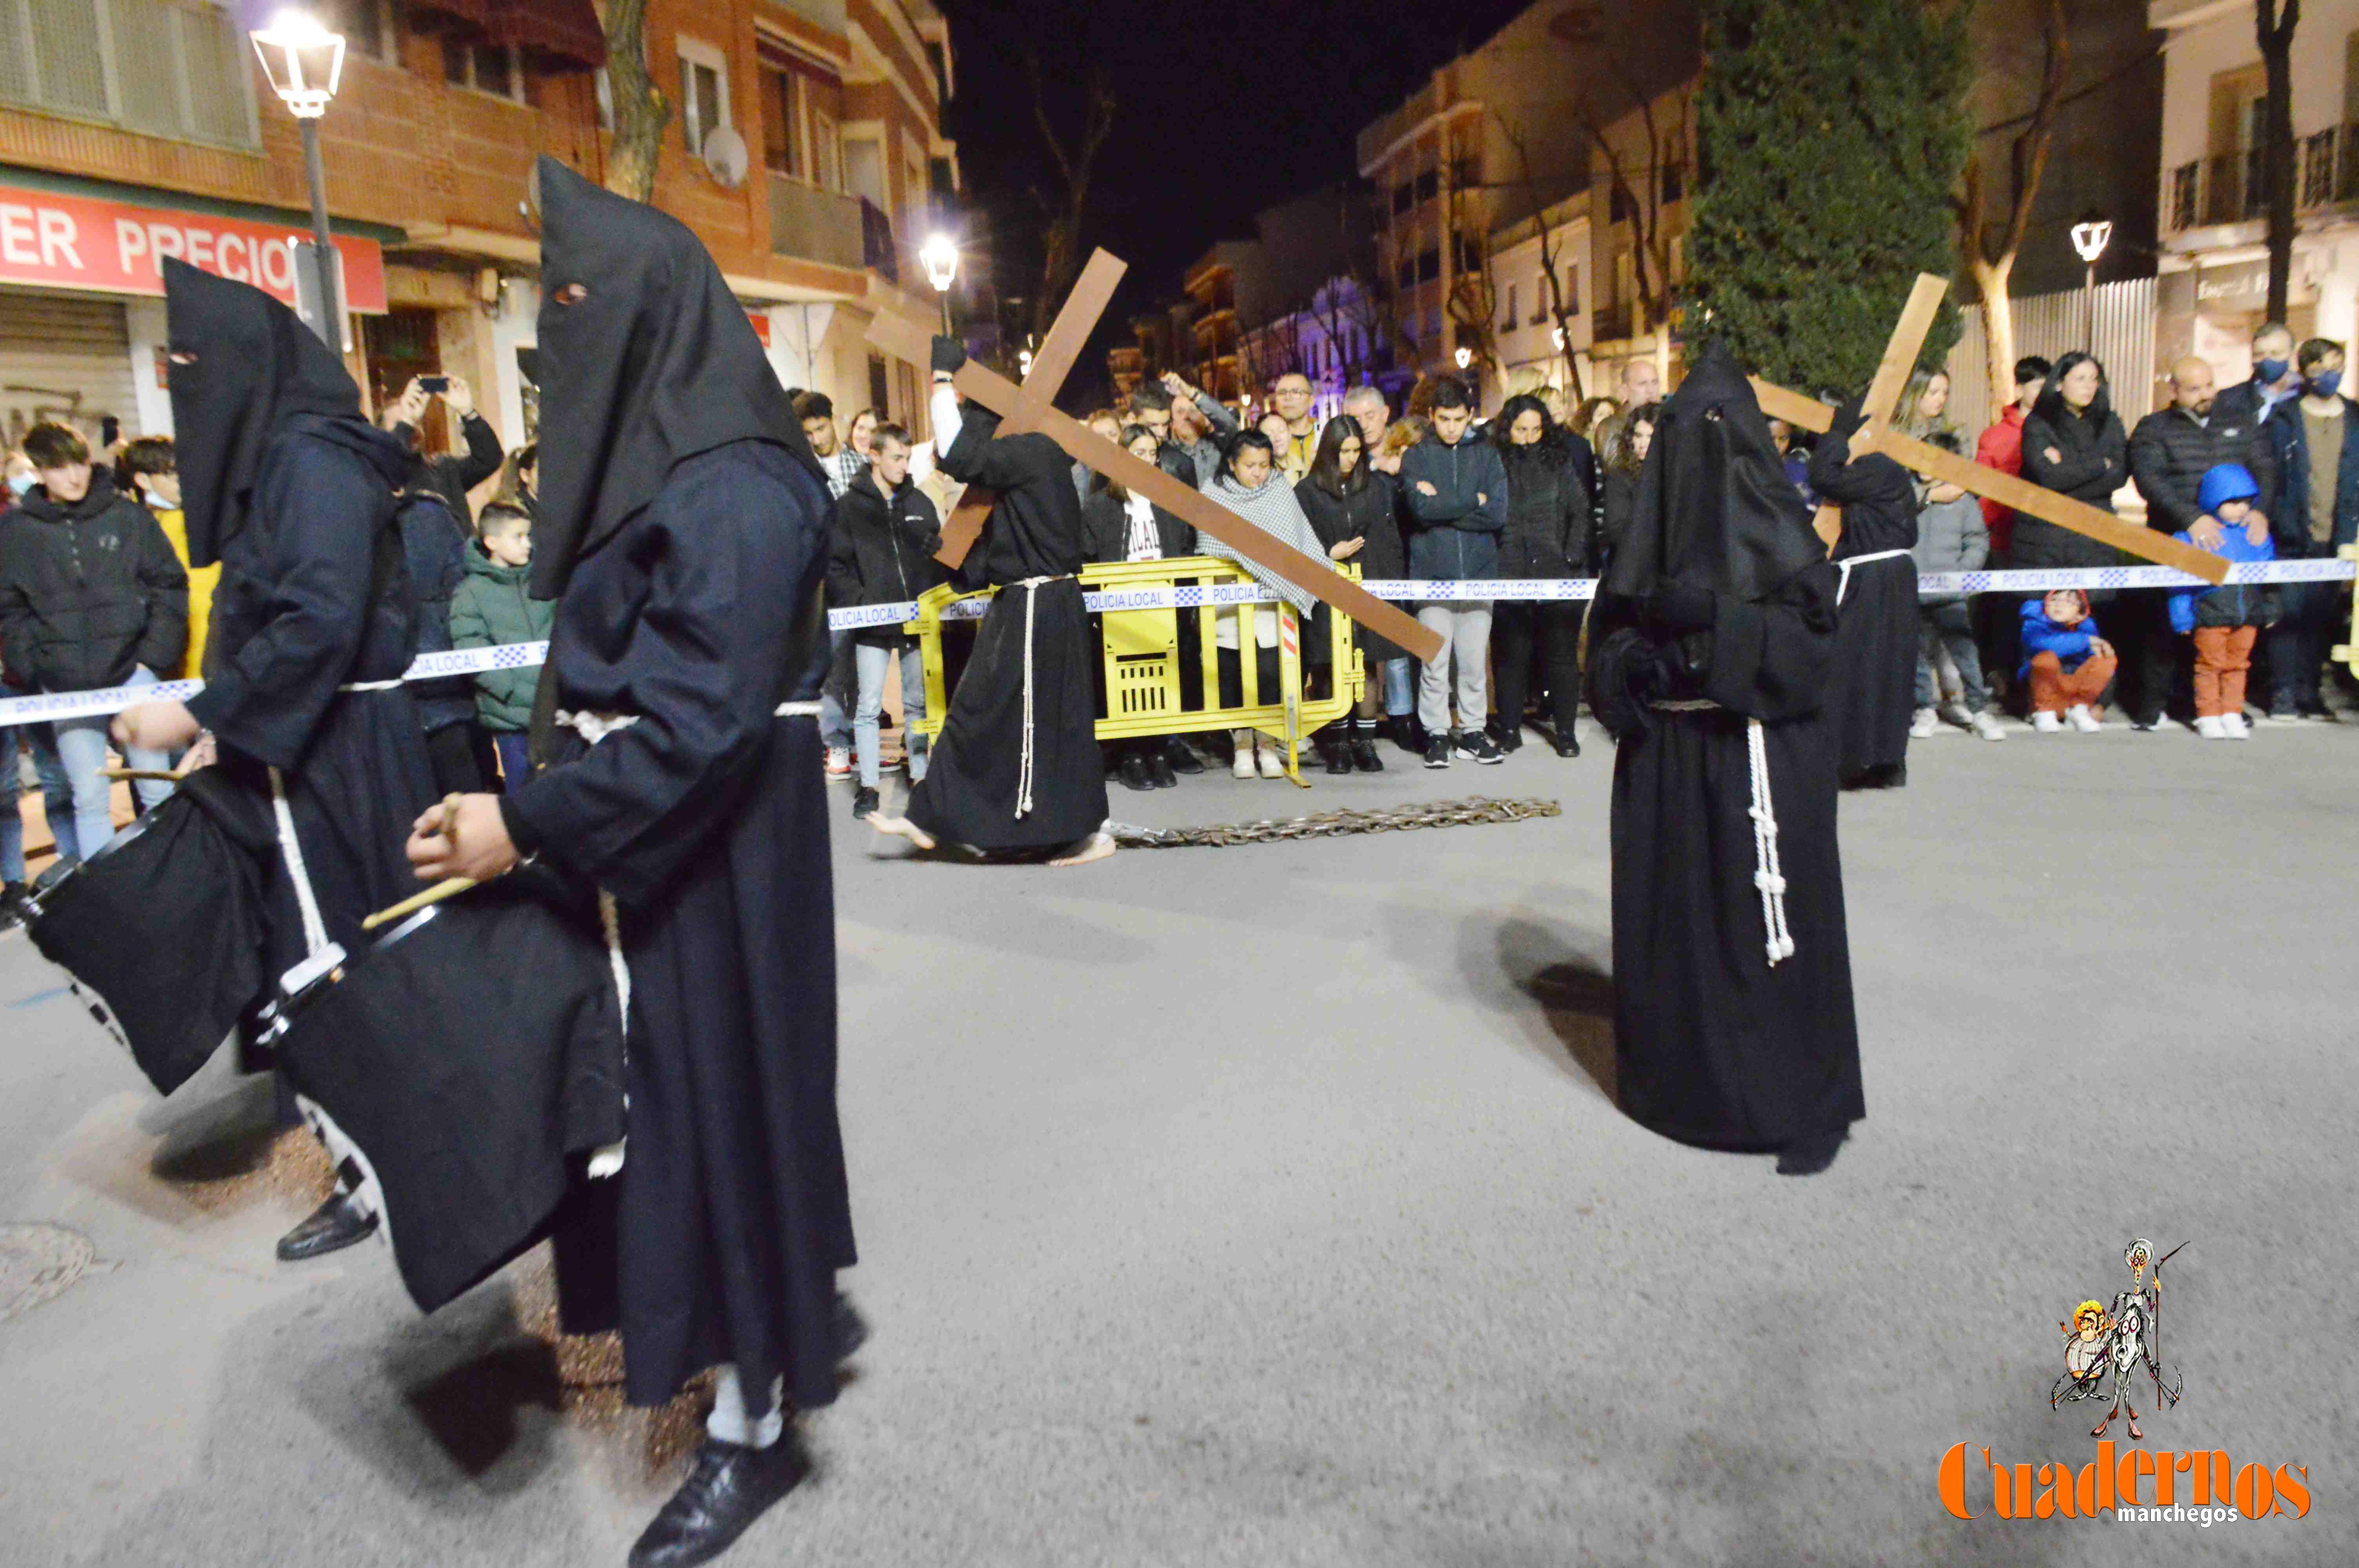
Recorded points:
492,607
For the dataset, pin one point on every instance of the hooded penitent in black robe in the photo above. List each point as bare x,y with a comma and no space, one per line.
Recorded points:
686,522
286,485
1720,602
983,786
1874,695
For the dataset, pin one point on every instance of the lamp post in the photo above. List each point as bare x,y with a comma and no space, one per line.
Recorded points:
304,61
940,259
2089,237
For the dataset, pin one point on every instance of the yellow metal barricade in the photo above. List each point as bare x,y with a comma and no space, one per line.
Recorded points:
1148,669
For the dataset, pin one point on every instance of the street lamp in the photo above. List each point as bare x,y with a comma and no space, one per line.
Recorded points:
1465,357
941,258
2089,237
304,61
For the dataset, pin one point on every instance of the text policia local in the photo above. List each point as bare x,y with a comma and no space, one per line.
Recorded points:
2213,1487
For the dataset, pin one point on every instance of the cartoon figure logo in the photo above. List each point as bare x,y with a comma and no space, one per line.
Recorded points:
2118,1342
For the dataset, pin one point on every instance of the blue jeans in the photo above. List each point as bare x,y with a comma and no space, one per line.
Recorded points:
12,821
57,795
1949,625
873,662
1401,687
515,768
81,750
835,730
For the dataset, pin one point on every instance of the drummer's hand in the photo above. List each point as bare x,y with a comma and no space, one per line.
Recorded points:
156,727
480,848
202,753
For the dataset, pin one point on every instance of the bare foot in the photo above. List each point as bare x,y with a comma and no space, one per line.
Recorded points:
900,827
1096,847
2135,1435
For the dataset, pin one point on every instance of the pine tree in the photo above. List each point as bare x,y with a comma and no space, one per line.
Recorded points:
1830,133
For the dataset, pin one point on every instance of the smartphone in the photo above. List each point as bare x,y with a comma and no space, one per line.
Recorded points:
434,383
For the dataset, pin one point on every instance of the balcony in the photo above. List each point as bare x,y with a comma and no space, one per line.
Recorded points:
815,225
2228,188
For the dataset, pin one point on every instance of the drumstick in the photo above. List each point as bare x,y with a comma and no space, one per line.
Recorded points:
135,774
444,889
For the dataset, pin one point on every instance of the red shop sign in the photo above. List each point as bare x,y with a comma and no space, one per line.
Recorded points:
72,242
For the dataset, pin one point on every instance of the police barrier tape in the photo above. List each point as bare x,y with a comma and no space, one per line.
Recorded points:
44,707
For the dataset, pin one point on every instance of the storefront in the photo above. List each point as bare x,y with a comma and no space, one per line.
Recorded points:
81,308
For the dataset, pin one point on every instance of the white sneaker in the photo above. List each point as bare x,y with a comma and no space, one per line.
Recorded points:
1242,767
2212,727
1955,712
1273,760
2047,723
839,763
2235,727
1986,725
2079,717
1925,725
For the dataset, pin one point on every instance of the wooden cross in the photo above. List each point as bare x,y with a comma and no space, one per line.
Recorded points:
1028,408
1880,407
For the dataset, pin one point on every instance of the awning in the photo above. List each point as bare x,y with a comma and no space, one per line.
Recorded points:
559,35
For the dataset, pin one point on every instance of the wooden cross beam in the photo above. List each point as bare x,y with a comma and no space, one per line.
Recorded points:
1878,407
906,337
1068,334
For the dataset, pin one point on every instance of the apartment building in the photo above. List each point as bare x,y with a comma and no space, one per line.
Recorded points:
2213,286
1527,336
134,129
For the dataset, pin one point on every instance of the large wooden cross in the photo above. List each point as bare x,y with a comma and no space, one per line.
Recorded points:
1877,435
1028,407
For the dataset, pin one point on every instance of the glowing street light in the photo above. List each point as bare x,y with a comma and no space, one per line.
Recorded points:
304,61
1465,357
2089,237
941,258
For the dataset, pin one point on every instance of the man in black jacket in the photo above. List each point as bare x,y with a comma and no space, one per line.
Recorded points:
452,475
91,595
2275,380
887,531
2170,451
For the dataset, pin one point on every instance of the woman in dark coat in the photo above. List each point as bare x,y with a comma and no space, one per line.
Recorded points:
2073,444
1547,537
1874,695
1622,453
1351,508
685,522
286,486
1122,527
1713,638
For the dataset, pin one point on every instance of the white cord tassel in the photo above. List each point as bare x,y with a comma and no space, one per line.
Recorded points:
1766,874
607,1160
1031,587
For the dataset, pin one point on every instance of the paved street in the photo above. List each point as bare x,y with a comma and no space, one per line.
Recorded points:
1263,1206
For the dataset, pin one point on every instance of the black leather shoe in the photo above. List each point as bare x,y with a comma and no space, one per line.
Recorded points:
851,1328
730,1488
1568,744
333,1226
1182,758
864,804
1365,758
1338,757
1159,766
1134,771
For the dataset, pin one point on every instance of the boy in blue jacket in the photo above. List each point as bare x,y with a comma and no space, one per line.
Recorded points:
2065,664
1456,491
2224,621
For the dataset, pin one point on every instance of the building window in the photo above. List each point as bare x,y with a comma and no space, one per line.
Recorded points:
1572,289
166,68
1405,275
367,26
2318,170
1429,185
781,118
1620,209
1675,181
483,68
1507,322
703,92
1540,300
1428,263
1404,199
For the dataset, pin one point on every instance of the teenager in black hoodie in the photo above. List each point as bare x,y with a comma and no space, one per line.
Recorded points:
887,531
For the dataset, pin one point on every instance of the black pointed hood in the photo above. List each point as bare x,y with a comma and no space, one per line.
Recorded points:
244,365
1715,508
653,364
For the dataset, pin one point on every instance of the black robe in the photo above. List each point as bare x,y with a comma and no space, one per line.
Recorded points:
976,773
707,821
313,596
1713,1045
1873,696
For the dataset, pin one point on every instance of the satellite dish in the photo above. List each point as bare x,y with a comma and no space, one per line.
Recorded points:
725,156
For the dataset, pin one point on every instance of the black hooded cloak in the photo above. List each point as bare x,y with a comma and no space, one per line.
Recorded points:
982,785
289,488
1713,640
1874,693
687,523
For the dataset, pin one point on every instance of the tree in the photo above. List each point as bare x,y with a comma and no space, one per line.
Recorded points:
1060,238
2273,21
641,111
1831,134
1989,256
1559,308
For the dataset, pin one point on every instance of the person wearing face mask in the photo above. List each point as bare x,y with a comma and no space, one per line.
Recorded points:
147,468
2169,452
2276,380
2318,512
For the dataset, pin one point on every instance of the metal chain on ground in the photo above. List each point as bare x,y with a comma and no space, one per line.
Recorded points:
1471,813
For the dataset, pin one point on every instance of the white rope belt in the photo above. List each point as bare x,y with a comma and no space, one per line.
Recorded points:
373,684
1844,567
1031,586
1769,875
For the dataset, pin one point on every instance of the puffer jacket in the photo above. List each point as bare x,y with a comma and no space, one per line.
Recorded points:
1951,535
882,551
493,608
89,591
2092,454
1547,515
1456,529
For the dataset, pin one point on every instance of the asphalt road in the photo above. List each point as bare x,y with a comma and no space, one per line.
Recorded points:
1263,1206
